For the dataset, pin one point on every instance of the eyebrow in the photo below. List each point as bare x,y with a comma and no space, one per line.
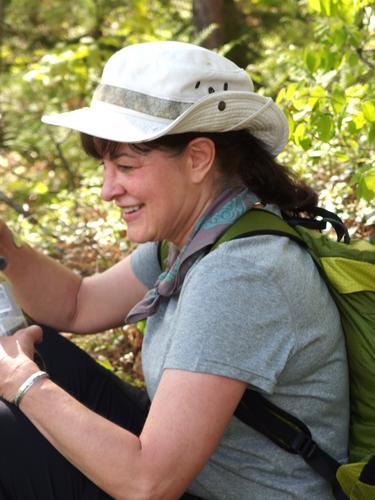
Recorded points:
115,155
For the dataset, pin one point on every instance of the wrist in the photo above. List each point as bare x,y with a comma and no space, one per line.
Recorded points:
16,378
30,382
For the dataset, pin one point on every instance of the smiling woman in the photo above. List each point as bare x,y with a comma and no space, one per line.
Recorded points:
162,195
187,147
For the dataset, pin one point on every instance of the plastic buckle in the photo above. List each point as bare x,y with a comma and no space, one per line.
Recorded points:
303,445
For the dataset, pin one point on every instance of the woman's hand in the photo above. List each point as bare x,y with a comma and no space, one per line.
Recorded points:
16,359
6,235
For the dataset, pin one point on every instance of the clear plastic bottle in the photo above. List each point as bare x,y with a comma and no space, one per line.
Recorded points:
11,315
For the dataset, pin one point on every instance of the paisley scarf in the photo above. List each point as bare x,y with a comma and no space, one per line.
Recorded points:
231,204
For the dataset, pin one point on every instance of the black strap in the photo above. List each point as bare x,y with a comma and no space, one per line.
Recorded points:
325,217
289,433
368,472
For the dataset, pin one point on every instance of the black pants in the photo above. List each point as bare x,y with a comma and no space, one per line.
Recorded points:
30,467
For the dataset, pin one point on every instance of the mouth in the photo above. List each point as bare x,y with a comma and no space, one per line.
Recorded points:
132,209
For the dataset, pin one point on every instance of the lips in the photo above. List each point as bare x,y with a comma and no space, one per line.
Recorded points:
132,209
131,212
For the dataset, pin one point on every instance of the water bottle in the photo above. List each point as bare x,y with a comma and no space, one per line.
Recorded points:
11,315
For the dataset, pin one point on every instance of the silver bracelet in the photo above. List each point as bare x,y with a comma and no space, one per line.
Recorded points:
27,385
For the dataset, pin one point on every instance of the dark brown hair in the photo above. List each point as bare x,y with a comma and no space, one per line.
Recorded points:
239,154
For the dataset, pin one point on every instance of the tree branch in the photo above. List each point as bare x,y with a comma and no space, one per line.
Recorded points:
360,52
17,208
64,162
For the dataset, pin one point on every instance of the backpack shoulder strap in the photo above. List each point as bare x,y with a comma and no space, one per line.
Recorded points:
289,433
163,249
251,223
254,222
258,222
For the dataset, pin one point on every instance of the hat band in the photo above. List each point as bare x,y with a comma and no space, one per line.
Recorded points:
136,101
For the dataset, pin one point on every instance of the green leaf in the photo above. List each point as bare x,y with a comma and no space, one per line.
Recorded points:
368,109
312,60
106,363
290,90
339,37
338,100
281,95
299,104
369,178
343,157
364,179
355,37
141,325
326,6
352,127
356,90
353,59
315,5
325,127
40,188
330,60
291,122
371,135
359,120
300,137
317,94
299,132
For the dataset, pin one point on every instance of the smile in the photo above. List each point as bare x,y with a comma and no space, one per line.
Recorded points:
134,208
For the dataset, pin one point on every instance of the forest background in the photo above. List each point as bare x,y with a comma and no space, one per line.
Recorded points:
314,57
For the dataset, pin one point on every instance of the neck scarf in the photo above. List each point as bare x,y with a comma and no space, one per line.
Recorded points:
230,205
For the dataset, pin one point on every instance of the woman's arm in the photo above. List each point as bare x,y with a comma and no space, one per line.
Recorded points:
53,295
186,420
104,300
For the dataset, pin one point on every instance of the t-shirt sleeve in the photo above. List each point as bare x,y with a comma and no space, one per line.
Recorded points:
233,320
145,263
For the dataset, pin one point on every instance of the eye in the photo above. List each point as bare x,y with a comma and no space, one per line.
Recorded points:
125,168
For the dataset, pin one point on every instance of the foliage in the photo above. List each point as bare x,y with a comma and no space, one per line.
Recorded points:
117,350
325,84
333,106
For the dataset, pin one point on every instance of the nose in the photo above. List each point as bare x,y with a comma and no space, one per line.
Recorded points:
111,187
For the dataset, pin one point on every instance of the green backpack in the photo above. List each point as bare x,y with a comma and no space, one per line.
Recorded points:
349,271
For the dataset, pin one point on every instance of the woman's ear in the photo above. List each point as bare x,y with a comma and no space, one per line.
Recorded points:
201,153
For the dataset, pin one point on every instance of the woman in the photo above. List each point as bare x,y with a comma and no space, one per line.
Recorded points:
186,147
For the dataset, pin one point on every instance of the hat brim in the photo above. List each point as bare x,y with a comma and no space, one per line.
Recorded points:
218,112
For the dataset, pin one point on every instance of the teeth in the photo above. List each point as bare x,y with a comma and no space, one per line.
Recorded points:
129,210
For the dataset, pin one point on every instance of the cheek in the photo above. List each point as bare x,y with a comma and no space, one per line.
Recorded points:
160,187
164,186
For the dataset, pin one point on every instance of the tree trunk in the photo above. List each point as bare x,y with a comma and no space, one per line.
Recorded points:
231,27
206,12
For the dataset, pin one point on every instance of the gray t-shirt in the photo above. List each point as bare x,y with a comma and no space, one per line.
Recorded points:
256,310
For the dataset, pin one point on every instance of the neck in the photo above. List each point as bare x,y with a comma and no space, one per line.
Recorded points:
200,207
203,207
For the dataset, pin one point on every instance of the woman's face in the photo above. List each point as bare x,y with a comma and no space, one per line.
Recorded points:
155,192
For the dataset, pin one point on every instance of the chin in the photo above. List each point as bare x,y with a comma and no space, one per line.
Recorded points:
139,238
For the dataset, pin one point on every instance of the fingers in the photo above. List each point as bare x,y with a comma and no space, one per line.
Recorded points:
33,334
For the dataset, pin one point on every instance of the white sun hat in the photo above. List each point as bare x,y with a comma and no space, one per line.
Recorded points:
149,90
